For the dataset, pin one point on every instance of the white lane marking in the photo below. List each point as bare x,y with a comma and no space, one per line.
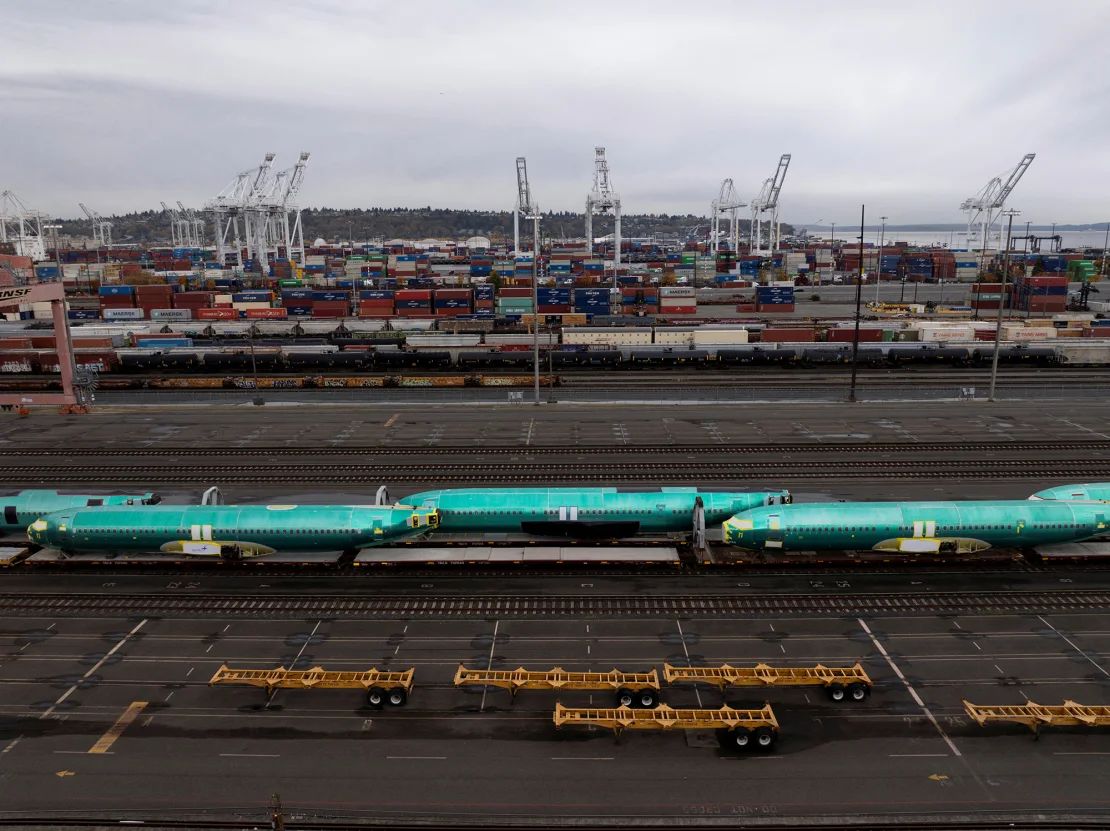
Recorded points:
227,627
772,627
582,758
398,649
12,744
209,649
416,757
51,626
251,755
1083,753
917,755
85,752
587,649
909,687
489,663
1069,642
405,629
169,695
1000,672
783,648
1084,429
190,672
956,624
973,643
531,427
682,637
50,711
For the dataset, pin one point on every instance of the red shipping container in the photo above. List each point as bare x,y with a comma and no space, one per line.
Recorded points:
745,307
216,314
783,335
92,343
680,310
846,334
774,307
15,343
42,342
414,294
515,292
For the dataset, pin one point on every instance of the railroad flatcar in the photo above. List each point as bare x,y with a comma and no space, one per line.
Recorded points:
23,508
227,531
916,527
1094,492
583,512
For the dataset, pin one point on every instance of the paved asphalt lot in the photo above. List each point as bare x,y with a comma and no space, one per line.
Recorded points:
65,682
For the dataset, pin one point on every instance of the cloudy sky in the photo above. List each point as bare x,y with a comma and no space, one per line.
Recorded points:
907,107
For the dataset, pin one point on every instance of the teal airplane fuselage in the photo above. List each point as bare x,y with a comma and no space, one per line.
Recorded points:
23,508
1092,492
227,530
921,527
582,512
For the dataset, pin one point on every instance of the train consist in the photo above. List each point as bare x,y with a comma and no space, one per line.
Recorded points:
758,520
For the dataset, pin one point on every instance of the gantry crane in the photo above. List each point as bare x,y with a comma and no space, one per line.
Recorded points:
768,202
101,228
725,204
194,224
602,200
526,207
21,227
176,230
985,208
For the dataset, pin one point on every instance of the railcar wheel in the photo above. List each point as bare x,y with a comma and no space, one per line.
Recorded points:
625,698
858,691
836,692
375,697
764,738
397,697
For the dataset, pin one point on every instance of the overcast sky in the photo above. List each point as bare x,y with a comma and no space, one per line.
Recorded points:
909,107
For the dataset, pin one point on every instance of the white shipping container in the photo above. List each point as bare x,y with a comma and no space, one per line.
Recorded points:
1026,333
676,291
674,335
607,337
719,337
951,333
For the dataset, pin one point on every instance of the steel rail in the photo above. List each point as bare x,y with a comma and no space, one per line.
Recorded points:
557,471
395,606
71,451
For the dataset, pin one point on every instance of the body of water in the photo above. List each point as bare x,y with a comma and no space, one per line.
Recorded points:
958,239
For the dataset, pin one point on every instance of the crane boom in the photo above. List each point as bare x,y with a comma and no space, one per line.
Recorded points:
768,200
985,207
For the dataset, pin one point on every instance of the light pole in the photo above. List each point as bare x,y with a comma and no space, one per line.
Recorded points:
1105,242
817,265
1011,213
859,295
879,270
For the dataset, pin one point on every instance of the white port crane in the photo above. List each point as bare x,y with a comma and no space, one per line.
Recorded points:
985,207
177,230
725,204
21,227
101,228
194,224
526,207
265,203
768,202
601,201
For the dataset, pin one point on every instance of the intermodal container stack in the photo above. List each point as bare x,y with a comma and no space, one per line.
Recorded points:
452,302
782,334
413,303
118,298
591,301
986,296
1040,294
375,303
774,298
677,300
554,300
484,298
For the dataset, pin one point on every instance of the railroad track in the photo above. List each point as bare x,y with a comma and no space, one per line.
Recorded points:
549,606
557,471
916,448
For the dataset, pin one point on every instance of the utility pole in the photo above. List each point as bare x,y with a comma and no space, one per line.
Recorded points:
277,815
1002,301
859,296
536,303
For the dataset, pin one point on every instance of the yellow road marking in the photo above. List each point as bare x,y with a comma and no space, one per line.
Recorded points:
61,773
116,730
392,419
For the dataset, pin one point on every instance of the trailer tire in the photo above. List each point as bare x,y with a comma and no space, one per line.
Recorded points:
397,697
647,698
858,691
836,692
764,739
740,738
625,698
375,697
